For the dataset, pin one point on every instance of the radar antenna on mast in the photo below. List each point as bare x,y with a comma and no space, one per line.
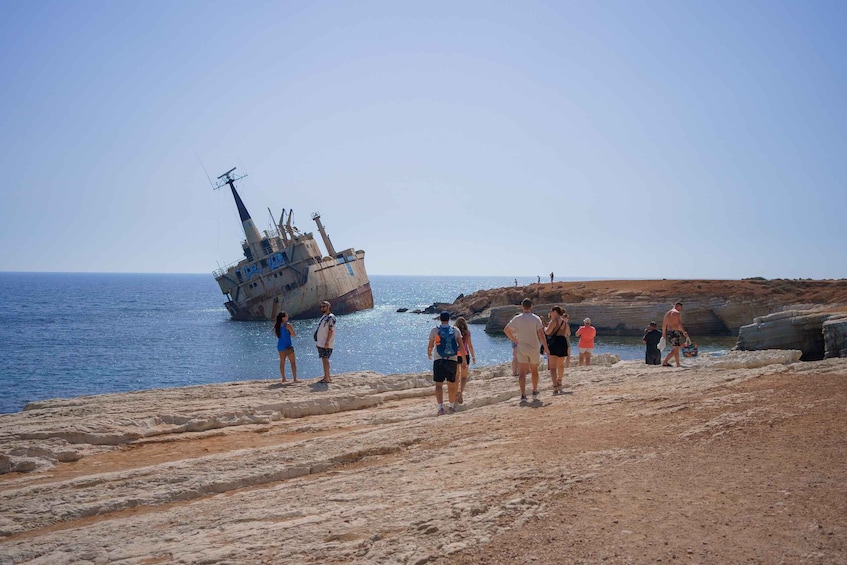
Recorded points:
227,179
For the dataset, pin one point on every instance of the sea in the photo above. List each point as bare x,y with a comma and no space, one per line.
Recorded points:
64,335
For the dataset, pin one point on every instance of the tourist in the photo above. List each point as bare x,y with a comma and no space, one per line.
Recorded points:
586,334
551,277
284,332
652,335
527,331
447,342
674,333
466,355
325,338
557,332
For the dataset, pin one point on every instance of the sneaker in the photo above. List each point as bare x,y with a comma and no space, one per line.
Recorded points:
450,409
534,394
555,392
440,410
523,398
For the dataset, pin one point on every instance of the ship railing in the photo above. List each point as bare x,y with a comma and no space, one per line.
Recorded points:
218,273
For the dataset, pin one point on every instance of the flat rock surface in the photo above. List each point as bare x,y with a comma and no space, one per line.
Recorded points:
733,459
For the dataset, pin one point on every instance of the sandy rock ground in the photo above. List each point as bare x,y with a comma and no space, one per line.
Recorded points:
727,460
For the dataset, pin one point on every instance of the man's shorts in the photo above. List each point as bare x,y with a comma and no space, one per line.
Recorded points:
586,350
444,370
675,338
528,354
324,352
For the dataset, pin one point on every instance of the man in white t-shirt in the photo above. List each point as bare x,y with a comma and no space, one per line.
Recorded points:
527,331
325,338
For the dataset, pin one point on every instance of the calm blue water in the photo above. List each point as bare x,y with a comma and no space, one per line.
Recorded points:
65,335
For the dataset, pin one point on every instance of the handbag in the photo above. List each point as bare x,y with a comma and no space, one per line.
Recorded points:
550,339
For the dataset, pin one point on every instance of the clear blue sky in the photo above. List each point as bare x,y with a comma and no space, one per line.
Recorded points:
646,139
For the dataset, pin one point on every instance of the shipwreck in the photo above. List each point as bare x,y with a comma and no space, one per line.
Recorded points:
284,270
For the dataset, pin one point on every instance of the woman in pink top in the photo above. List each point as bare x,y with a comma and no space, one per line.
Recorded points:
586,341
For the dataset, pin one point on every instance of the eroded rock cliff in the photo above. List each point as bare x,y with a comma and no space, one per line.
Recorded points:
785,313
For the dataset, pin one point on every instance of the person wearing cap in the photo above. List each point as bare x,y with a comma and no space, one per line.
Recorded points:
444,367
652,335
527,331
586,335
325,338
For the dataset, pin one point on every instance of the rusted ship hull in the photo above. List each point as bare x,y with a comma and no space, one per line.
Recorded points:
346,296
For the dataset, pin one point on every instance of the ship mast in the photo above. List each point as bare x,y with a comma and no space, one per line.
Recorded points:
250,231
330,250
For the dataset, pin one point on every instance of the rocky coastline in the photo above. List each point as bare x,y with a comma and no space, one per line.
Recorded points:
634,464
808,315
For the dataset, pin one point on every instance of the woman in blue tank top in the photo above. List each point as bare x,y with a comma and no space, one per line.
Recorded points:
284,332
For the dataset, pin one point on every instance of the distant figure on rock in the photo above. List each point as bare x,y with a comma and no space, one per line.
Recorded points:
557,332
516,282
325,338
284,332
586,335
539,278
447,342
551,277
466,355
527,331
674,333
652,335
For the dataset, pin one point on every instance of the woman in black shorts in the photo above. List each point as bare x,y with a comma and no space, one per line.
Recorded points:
557,332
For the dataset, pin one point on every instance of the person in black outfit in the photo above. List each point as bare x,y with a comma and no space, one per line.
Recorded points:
651,338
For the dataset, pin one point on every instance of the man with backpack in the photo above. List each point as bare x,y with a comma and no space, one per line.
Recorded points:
447,342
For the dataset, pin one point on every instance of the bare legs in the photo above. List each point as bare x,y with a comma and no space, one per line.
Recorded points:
673,353
584,358
557,371
462,381
325,361
533,369
290,355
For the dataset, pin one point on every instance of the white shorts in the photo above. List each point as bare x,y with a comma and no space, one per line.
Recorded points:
586,350
529,355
